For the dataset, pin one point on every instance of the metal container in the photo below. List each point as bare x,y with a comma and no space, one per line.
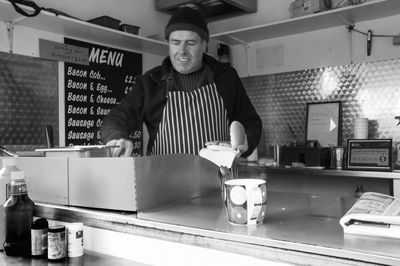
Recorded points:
78,151
276,151
337,154
95,182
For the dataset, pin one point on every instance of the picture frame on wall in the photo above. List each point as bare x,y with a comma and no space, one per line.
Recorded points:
324,123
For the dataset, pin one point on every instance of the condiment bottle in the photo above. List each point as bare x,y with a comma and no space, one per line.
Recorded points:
18,215
56,247
75,239
5,179
39,238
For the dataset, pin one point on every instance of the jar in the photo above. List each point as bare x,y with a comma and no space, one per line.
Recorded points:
56,243
75,239
39,237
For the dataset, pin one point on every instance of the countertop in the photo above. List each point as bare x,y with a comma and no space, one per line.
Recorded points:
90,258
298,228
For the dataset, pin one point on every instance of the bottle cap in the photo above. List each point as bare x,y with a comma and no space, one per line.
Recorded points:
17,175
9,162
40,223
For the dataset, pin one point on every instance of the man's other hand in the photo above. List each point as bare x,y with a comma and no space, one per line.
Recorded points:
124,149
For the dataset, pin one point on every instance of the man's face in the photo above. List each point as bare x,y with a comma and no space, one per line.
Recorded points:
186,50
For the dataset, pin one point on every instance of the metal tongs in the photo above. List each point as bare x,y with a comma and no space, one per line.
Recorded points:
9,153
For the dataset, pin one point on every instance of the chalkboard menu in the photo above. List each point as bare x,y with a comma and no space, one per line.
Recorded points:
92,90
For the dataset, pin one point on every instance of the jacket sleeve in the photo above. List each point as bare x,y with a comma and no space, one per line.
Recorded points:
126,116
243,111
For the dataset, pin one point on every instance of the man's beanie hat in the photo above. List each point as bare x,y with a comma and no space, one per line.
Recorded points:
186,18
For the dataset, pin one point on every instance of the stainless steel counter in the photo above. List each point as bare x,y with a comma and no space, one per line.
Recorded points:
90,258
333,172
388,179
299,228
296,222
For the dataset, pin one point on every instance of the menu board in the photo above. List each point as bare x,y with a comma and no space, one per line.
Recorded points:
92,90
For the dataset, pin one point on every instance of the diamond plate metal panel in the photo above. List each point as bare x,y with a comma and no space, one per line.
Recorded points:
28,101
369,89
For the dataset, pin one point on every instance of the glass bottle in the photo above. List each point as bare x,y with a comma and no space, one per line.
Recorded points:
9,165
18,211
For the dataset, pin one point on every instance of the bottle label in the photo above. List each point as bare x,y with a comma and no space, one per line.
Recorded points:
39,241
18,189
56,245
75,243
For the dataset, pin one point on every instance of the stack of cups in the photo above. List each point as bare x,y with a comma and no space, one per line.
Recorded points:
361,128
75,239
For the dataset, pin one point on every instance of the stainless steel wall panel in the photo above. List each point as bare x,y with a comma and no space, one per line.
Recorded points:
28,101
368,89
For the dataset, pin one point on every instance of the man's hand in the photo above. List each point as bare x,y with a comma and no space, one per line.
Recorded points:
242,147
124,149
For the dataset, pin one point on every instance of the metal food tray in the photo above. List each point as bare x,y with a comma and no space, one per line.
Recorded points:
78,151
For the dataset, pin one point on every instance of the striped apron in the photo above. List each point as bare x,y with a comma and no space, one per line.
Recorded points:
190,119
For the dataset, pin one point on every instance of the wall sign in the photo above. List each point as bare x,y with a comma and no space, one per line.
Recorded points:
91,91
63,52
324,123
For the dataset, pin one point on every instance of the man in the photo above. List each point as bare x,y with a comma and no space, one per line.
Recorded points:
189,100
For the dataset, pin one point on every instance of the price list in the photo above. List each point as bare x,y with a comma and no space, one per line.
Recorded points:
91,91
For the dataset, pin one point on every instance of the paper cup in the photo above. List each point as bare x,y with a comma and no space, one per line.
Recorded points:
360,120
245,201
361,135
360,128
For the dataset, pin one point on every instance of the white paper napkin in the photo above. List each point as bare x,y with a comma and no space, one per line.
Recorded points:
221,157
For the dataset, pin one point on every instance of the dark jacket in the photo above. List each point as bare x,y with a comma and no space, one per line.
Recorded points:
147,100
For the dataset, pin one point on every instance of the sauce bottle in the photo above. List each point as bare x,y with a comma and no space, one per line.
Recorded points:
9,165
18,211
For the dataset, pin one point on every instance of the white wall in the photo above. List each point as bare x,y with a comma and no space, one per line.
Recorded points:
267,11
327,47
322,48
